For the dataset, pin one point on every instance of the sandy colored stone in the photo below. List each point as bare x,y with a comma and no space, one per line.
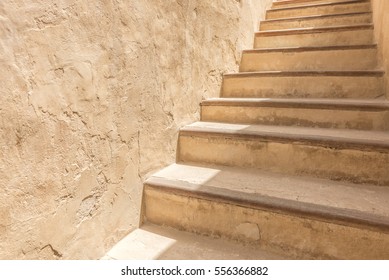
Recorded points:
315,38
335,154
288,85
319,21
92,96
381,22
312,9
292,236
255,111
310,59
152,242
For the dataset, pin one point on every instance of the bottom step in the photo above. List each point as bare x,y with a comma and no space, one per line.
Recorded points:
153,242
299,217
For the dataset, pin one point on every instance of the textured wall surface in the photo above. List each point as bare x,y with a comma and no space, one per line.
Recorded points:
92,94
381,26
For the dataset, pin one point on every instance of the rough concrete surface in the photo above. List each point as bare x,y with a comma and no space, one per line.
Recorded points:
92,94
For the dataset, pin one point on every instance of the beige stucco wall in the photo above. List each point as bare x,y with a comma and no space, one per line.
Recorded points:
92,94
381,27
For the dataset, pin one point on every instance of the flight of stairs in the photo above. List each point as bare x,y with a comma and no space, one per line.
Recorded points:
294,155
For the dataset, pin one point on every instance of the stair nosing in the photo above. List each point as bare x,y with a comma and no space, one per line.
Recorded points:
277,3
272,204
313,17
309,30
365,73
313,48
317,5
361,105
327,141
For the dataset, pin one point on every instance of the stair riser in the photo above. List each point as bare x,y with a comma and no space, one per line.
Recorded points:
303,86
317,22
287,157
348,59
338,38
325,118
306,2
297,237
321,10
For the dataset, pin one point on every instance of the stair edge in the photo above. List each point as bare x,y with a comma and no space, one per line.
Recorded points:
272,204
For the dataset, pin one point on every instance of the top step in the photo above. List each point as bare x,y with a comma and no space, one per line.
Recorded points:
293,3
360,6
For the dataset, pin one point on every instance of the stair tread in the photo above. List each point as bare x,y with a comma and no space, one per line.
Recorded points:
324,199
307,73
312,5
313,48
337,138
314,17
310,30
288,2
152,242
324,103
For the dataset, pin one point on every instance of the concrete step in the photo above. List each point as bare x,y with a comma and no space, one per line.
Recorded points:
337,154
319,9
152,242
292,3
315,37
304,84
310,58
324,113
298,217
317,21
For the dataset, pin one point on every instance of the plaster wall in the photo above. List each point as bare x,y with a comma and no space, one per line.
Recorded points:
381,27
92,94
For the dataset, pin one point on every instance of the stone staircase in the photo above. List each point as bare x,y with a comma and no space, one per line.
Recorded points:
293,158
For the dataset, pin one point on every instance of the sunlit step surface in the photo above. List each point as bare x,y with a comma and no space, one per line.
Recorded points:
336,58
336,154
317,21
305,84
315,37
291,3
152,242
319,9
299,217
326,113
